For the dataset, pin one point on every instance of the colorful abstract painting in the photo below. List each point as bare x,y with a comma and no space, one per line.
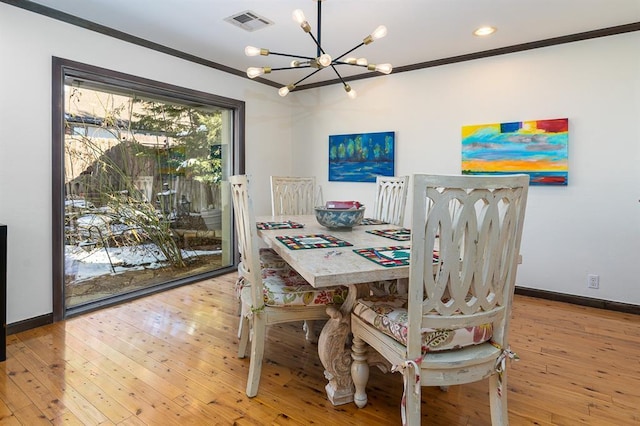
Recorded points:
538,148
360,157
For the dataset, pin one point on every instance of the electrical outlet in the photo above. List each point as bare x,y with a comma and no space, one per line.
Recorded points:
593,281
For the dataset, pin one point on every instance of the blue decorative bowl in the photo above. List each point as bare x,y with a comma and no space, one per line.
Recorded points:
339,218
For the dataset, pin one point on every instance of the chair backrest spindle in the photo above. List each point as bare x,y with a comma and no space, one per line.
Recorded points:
391,199
293,195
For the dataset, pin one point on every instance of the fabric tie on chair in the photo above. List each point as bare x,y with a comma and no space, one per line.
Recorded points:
501,362
500,366
415,364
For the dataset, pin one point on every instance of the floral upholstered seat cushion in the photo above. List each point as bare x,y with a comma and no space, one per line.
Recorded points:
268,259
271,259
390,287
389,315
285,287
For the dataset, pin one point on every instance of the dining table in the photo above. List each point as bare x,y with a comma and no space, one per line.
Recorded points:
354,257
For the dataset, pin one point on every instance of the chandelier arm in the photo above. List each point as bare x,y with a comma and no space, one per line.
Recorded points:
349,51
338,74
291,68
292,56
320,49
348,63
304,78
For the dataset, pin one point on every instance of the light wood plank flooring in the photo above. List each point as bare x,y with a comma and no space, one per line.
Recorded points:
171,359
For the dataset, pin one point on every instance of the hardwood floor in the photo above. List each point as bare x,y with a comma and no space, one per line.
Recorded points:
171,359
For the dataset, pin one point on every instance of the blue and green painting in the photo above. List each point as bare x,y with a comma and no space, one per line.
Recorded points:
360,157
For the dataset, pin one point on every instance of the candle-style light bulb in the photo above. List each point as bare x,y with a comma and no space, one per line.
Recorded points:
384,68
253,72
325,60
298,16
379,32
252,51
350,92
284,91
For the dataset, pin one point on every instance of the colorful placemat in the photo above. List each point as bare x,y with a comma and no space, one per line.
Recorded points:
370,221
401,234
390,256
386,256
287,224
298,242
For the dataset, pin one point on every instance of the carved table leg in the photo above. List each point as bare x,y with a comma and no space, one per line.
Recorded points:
359,371
333,351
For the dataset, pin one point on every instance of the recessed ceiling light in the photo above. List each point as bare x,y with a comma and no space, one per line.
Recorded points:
484,31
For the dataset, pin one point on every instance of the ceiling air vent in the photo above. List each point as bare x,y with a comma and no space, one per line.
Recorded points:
248,20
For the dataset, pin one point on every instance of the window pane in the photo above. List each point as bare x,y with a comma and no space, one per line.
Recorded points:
143,192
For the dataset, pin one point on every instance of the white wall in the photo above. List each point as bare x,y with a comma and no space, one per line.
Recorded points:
590,226
27,43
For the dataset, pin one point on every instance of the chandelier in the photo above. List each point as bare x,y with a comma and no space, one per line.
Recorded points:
322,59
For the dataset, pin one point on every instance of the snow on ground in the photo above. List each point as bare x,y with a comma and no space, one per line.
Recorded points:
84,264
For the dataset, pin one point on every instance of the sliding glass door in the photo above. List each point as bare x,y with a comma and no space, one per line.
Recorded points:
142,196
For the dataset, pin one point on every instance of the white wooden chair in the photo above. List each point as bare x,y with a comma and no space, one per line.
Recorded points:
391,199
269,296
289,195
293,195
390,203
454,328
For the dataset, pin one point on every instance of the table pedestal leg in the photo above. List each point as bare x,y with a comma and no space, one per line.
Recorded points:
333,350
